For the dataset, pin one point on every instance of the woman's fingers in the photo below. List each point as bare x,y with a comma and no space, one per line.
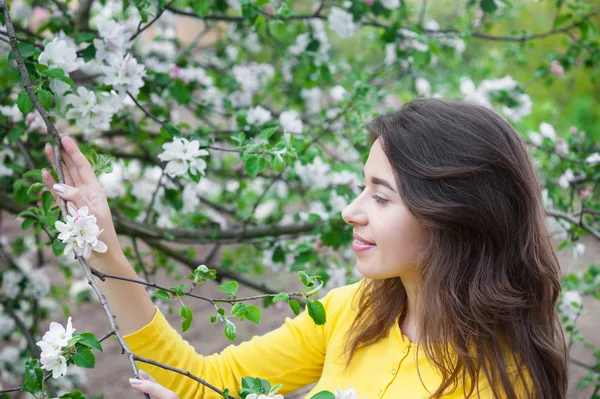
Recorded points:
146,376
49,151
72,194
152,388
76,160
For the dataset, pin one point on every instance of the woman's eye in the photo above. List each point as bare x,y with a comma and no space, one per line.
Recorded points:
360,187
379,200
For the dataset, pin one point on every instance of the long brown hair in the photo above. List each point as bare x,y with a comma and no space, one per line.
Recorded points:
489,276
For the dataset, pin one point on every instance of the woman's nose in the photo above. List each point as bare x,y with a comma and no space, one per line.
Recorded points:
352,214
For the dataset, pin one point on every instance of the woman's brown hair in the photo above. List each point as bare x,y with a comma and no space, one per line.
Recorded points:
489,276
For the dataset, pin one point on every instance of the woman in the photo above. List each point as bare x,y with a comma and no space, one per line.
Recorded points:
460,287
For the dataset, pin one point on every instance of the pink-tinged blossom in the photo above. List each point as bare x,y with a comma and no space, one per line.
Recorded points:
585,193
557,69
573,130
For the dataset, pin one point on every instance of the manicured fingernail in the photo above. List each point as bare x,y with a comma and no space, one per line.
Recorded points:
135,381
59,188
144,375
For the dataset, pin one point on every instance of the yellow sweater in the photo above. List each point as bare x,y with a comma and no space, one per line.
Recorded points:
296,354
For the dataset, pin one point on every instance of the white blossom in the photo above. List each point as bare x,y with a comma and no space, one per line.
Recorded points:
578,250
183,155
302,41
56,363
423,87
312,99
11,112
565,178
535,138
80,233
390,4
291,122
315,174
258,116
570,304
252,75
341,22
390,54
124,74
263,396
338,93
349,393
547,130
59,53
11,280
593,159
7,325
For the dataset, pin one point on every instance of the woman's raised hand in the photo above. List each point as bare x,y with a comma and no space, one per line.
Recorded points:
148,385
82,188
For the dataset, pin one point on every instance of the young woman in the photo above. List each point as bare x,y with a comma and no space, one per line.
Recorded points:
460,277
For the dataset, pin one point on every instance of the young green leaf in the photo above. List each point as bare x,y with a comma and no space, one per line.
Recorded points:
24,103
323,395
229,288
282,296
47,200
238,310
186,313
162,294
295,305
84,357
88,339
229,330
316,311
253,314
34,377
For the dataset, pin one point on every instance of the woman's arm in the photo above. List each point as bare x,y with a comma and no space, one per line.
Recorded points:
129,302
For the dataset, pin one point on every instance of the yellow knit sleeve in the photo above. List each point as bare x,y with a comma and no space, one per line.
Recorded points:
292,355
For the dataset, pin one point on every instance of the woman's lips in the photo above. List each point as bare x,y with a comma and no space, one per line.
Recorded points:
360,244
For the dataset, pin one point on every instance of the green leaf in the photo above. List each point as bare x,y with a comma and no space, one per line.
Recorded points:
54,73
238,310
229,330
34,377
83,37
27,223
265,134
274,390
251,383
295,305
489,6
73,395
282,296
255,165
36,173
89,340
253,314
180,92
45,98
200,7
58,248
214,319
162,294
323,395
316,311
24,103
26,50
229,288
47,200
186,313
84,357
89,53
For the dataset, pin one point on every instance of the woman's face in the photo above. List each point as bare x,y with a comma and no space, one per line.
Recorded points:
388,238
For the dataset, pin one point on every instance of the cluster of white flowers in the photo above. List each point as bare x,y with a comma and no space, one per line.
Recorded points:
52,344
546,130
258,116
90,111
124,74
191,74
570,304
60,53
115,37
252,75
342,22
290,122
263,396
312,99
481,94
183,155
80,233
337,93
593,159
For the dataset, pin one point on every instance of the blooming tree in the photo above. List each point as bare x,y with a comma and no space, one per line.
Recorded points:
248,143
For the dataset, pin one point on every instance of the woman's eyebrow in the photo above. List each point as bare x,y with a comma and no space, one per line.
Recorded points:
380,182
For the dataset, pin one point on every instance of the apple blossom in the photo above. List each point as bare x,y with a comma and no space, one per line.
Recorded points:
290,122
60,54
341,22
258,116
124,74
183,155
80,233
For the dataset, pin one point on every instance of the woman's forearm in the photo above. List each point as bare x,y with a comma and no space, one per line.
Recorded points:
128,301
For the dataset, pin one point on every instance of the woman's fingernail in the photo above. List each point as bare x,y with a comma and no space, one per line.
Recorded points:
47,145
59,188
144,375
135,381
